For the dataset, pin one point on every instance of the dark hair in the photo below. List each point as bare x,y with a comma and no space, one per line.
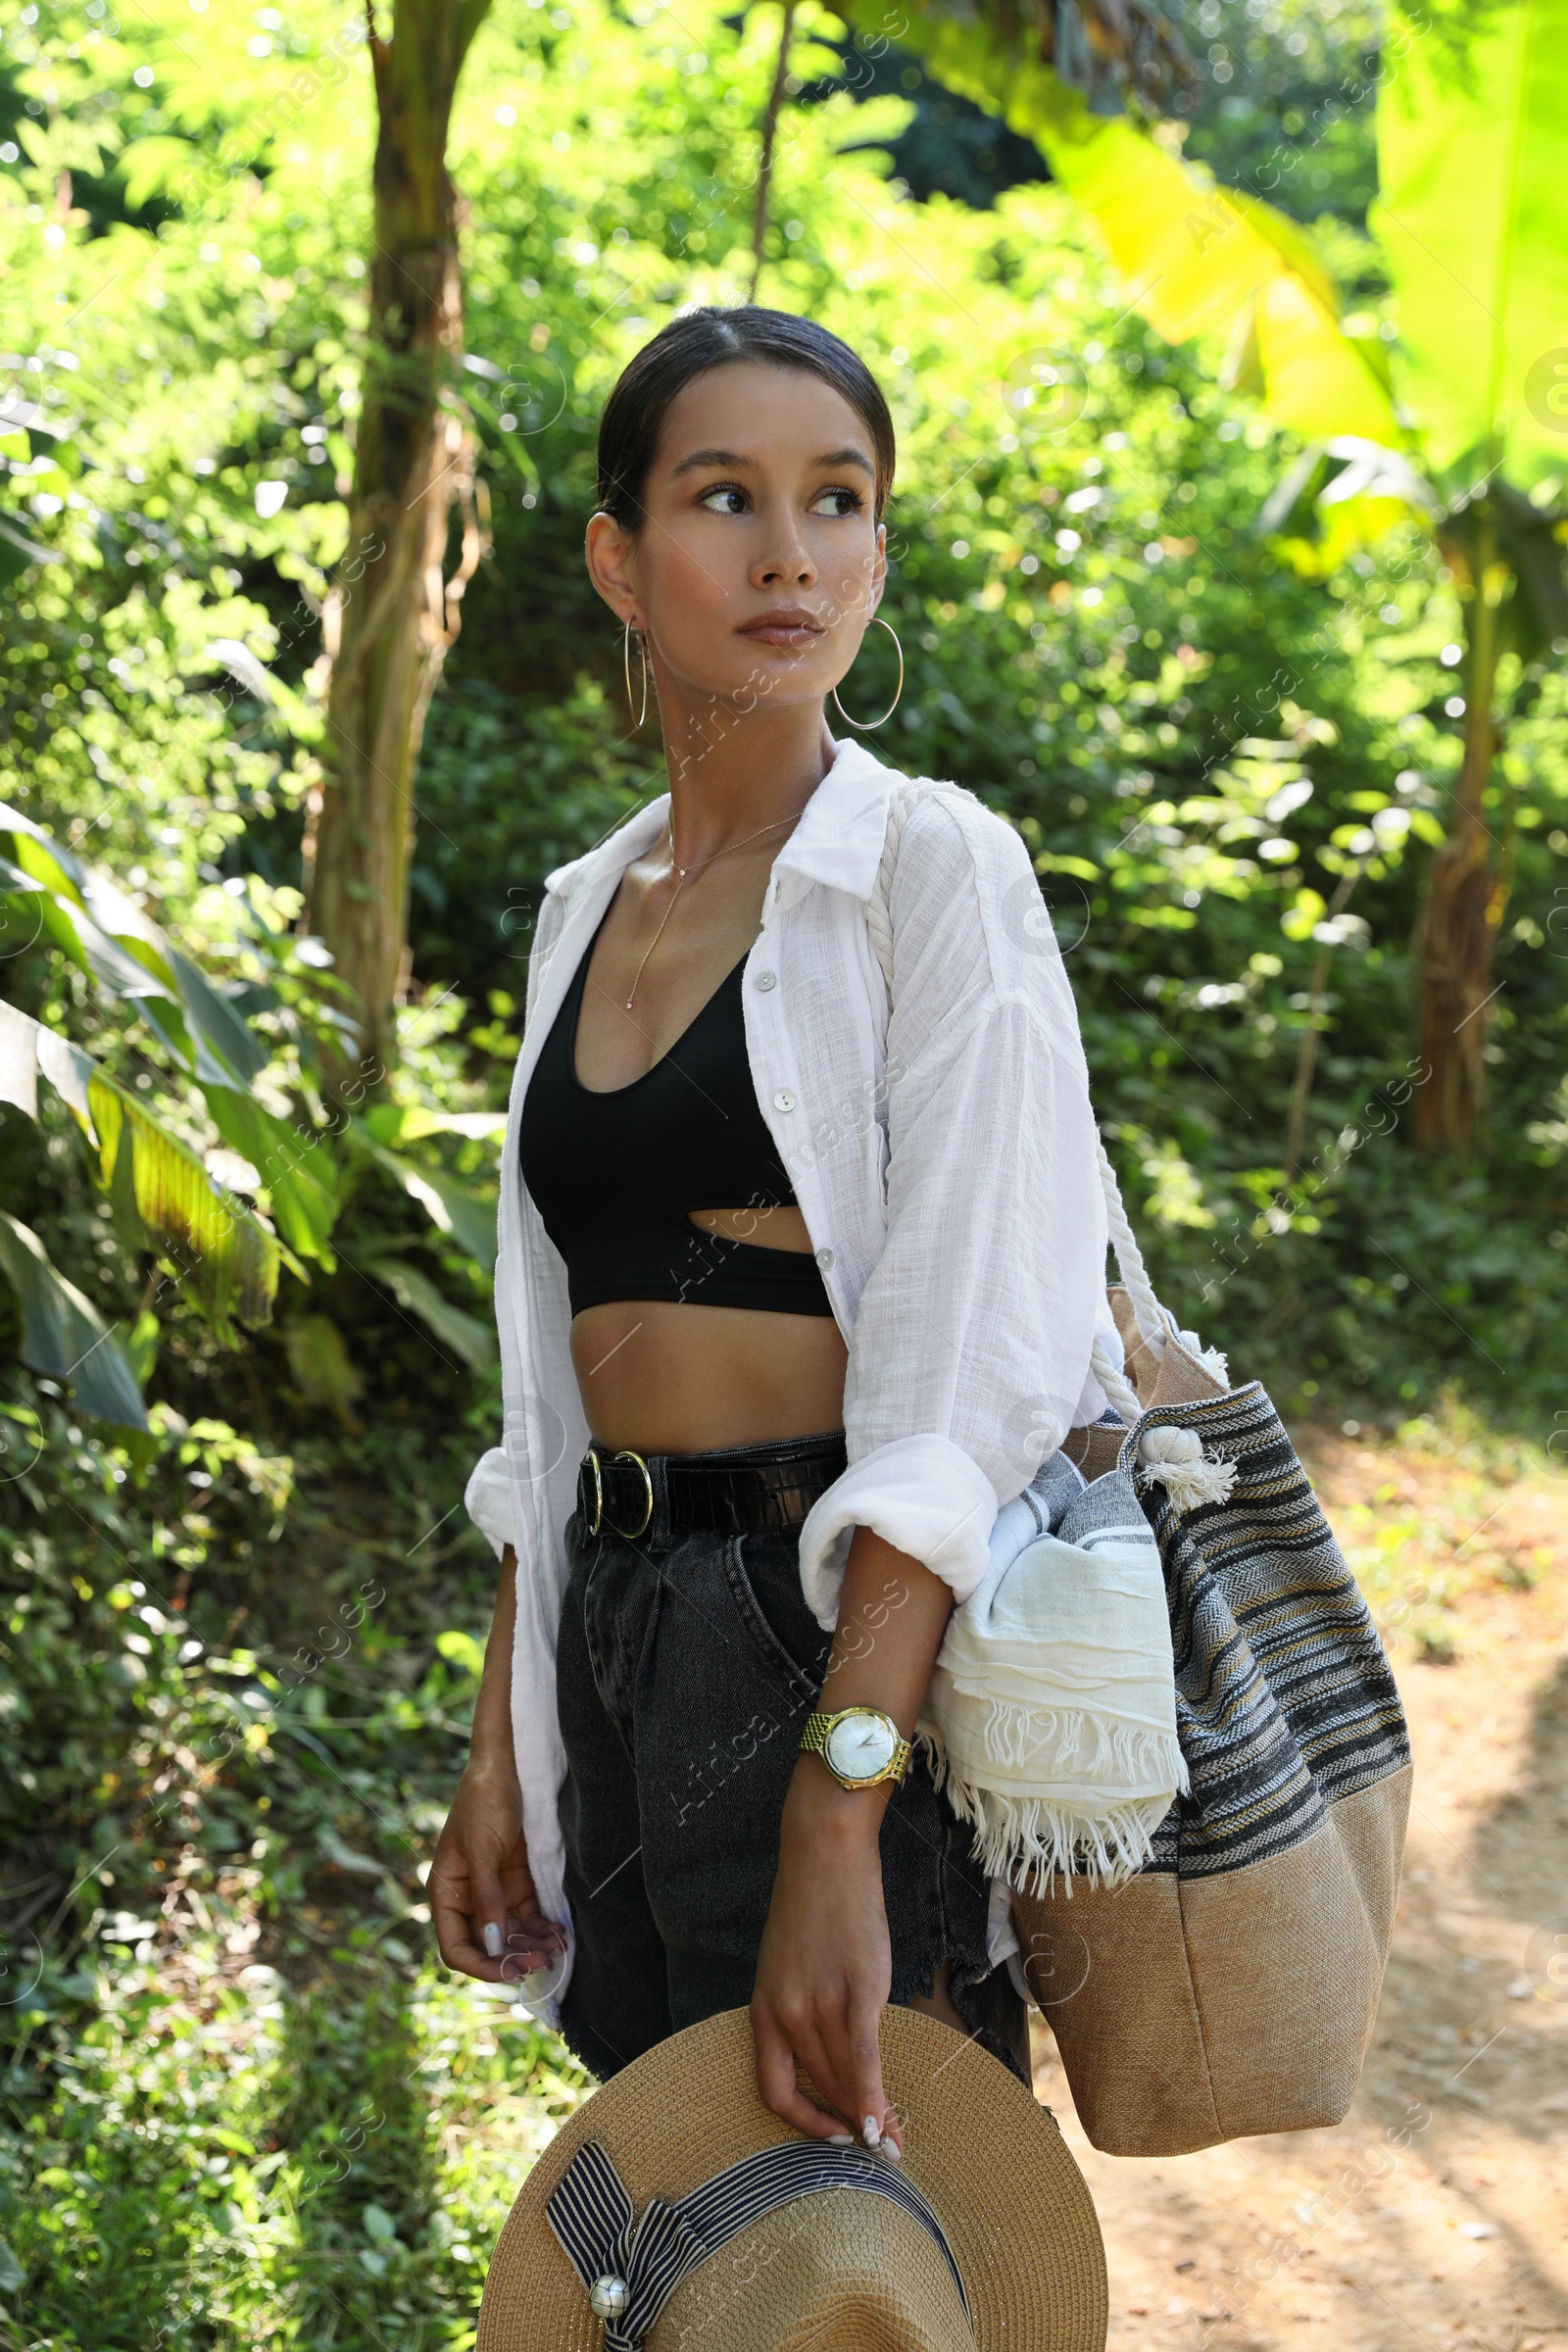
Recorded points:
689,346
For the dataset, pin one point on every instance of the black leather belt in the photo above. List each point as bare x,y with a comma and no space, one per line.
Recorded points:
658,1497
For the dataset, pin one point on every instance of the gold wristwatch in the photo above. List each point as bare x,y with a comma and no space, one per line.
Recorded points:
859,1745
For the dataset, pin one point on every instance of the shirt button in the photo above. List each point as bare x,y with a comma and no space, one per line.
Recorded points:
767,979
824,1258
783,1099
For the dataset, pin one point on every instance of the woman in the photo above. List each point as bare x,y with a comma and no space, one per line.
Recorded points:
797,1288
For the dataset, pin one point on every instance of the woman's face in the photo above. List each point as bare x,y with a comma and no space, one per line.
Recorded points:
760,561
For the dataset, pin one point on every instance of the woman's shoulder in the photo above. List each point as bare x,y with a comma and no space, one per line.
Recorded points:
963,892
948,839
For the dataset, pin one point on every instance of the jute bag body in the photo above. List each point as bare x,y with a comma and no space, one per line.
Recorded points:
1230,1986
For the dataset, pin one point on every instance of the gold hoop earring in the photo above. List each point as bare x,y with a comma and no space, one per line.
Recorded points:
865,726
642,648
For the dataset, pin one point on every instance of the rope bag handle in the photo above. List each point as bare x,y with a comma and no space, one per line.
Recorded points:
1152,1321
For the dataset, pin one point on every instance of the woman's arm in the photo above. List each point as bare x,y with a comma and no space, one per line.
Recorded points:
825,1968
971,1346
487,1917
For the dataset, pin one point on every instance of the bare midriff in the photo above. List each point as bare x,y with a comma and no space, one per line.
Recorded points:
660,1378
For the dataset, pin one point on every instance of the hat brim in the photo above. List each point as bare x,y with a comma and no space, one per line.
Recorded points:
1015,2207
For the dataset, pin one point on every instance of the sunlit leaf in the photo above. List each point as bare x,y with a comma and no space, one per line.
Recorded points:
1197,259
1473,162
408,1123
215,1247
292,1165
462,1651
1341,497
156,166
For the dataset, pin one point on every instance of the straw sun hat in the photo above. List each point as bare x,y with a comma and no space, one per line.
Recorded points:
984,2237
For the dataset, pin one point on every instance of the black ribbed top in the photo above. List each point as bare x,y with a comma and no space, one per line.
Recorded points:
613,1174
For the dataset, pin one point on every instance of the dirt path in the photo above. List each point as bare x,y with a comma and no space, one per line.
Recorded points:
1347,2239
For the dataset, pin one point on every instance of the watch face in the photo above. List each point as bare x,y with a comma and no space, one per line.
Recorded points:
860,1745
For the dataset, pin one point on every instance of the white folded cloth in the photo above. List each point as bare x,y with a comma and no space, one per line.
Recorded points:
1052,1713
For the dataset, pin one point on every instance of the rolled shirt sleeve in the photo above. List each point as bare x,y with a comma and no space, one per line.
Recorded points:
971,1346
488,1501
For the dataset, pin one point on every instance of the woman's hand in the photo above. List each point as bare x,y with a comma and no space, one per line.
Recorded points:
487,1917
825,1965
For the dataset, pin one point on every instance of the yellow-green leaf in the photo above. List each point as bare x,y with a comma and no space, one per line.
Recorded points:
215,1247
1198,258
1473,162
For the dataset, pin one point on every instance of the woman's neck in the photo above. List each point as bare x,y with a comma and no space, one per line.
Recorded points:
733,772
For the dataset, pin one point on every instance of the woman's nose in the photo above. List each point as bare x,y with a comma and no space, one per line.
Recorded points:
785,559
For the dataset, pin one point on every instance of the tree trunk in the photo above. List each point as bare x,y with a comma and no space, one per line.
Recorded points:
1464,905
765,171
392,612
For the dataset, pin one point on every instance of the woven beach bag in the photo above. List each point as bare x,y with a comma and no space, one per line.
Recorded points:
1229,1988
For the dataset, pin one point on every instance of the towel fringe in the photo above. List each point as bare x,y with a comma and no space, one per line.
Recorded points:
1035,1842
1127,1755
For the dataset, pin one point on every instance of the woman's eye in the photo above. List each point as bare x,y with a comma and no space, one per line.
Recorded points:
723,499
838,503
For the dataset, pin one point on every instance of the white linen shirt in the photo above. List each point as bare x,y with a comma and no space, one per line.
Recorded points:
944,1156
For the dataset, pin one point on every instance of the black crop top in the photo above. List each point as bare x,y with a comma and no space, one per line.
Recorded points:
612,1174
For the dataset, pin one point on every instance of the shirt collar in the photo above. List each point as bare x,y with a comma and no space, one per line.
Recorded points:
838,839
843,827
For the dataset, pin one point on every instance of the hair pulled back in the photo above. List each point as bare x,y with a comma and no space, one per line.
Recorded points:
700,339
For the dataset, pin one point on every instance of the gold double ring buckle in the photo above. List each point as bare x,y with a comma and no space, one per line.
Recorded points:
625,1455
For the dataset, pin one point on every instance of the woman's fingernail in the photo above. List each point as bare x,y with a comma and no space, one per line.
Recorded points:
841,2140
872,2132
492,1938
891,2149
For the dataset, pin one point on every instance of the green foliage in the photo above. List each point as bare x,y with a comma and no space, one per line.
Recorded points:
164,1199
1283,104
239,2105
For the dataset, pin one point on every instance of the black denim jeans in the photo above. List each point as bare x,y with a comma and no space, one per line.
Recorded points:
685,1668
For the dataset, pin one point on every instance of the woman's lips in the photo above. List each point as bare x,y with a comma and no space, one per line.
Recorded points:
794,631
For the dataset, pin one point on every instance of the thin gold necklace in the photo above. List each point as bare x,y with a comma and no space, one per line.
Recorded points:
683,874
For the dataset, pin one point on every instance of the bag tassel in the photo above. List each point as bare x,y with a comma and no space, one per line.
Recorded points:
1190,1476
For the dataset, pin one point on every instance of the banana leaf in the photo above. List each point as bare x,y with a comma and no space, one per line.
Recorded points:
161,1196
293,1165
451,1208
1198,258
1473,162
474,1342
216,1249
64,1336
106,934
